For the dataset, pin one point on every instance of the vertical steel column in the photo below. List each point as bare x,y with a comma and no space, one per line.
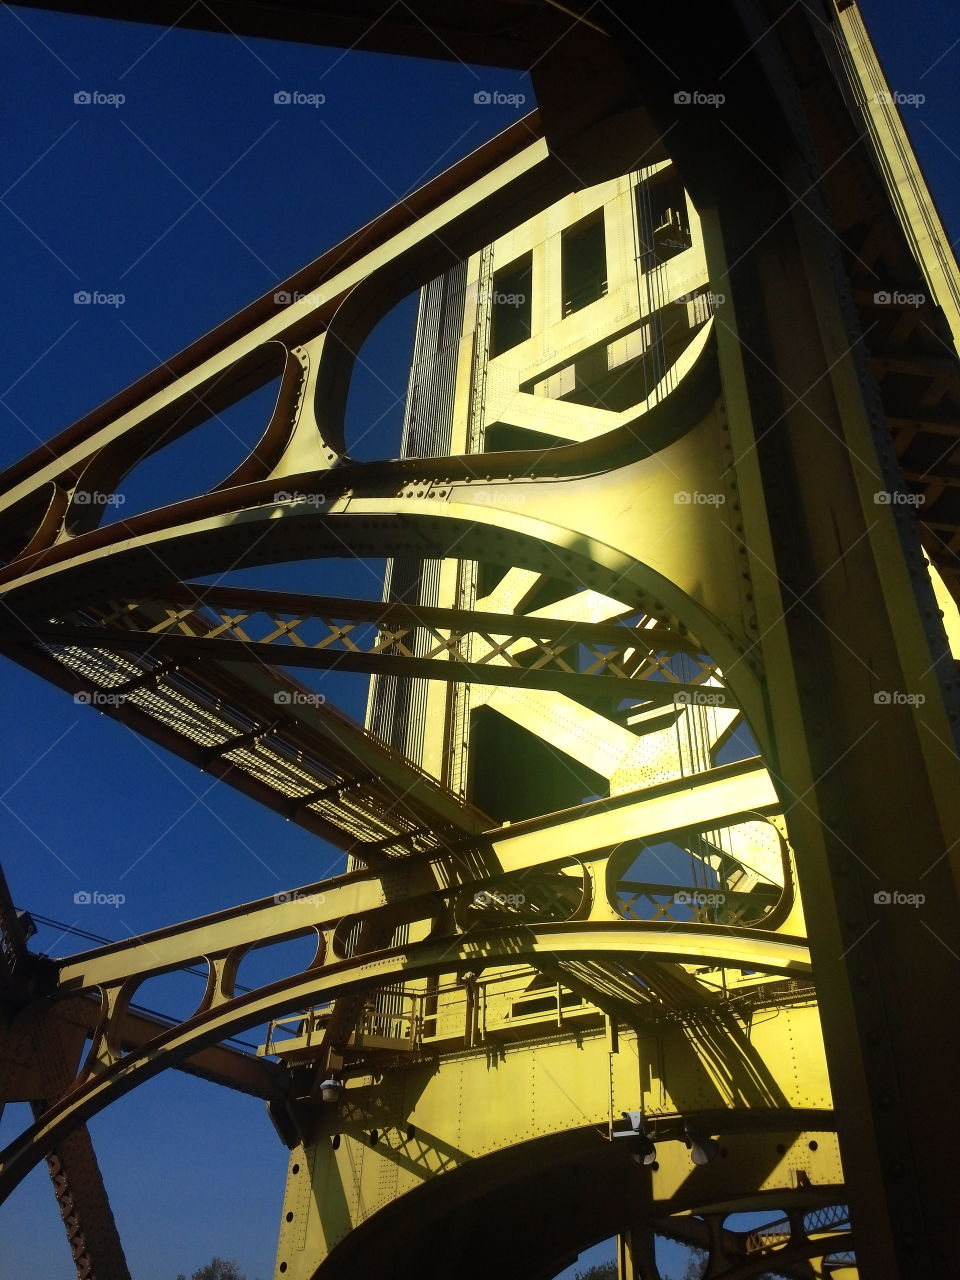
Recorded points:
868,791
636,1254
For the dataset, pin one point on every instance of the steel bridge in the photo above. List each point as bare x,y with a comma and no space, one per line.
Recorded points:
663,705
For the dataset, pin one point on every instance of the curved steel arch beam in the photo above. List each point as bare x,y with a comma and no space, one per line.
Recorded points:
435,508
569,1178
364,526
741,948
352,524
506,169
110,464
342,295
649,430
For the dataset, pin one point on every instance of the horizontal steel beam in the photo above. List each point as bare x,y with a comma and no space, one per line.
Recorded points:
187,622
444,666
247,602
719,796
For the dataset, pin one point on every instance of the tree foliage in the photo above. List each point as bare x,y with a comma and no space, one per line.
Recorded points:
217,1269
695,1265
608,1270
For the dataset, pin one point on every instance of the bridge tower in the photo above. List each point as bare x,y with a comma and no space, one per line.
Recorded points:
651,828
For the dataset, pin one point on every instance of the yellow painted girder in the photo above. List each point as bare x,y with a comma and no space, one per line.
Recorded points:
737,947
717,796
494,1100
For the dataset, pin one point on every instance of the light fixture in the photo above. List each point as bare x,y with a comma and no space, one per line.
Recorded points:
641,1145
330,1090
702,1149
27,926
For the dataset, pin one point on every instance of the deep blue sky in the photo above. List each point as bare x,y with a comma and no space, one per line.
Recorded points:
99,198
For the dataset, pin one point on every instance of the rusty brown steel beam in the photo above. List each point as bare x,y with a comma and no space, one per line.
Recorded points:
74,1170
219,1063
